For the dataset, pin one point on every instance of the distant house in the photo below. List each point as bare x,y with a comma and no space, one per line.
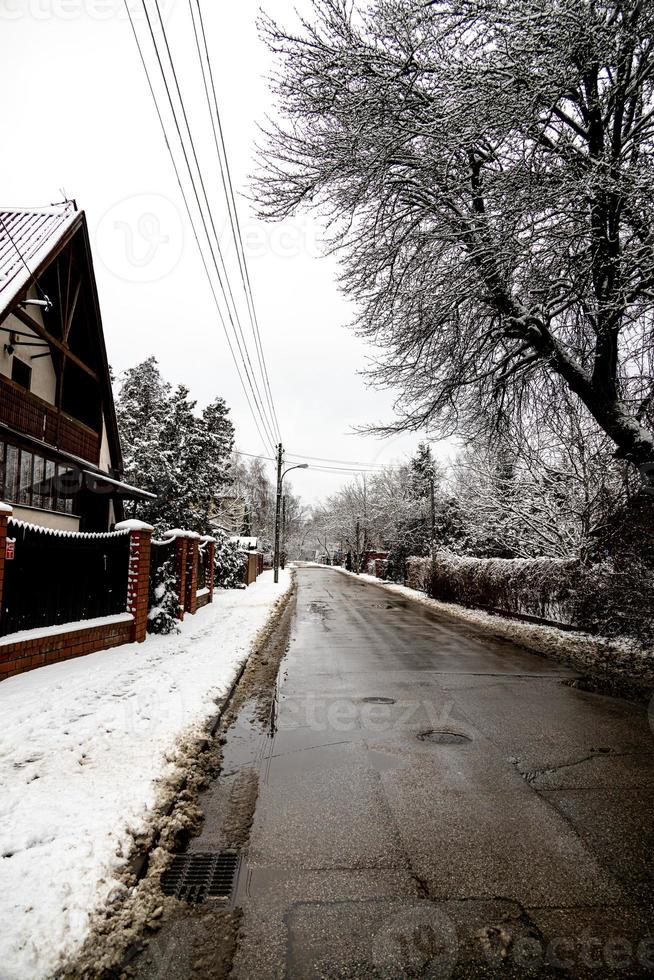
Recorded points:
245,543
60,459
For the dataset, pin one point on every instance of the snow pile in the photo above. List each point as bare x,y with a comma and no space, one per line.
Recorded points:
83,747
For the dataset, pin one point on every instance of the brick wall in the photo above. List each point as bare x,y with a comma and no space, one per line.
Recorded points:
36,651
187,557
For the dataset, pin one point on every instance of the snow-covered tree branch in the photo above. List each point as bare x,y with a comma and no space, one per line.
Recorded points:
486,171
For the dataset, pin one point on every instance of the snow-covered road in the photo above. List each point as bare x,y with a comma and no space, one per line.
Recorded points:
84,746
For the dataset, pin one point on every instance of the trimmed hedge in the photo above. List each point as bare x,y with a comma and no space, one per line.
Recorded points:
608,597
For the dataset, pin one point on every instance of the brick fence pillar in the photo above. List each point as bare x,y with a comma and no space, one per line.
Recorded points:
210,553
192,553
140,538
181,546
5,513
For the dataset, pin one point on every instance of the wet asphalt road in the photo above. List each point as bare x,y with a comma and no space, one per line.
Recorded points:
373,853
524,848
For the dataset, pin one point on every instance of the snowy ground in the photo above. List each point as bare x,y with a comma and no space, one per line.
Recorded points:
84,746
614,658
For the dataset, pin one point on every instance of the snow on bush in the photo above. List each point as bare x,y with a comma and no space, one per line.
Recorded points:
229,563
164,600
539,587
417,573
608,597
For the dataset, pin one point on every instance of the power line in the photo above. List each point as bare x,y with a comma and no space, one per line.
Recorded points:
239,452
347,462
192,221
253,387
228,188
319,468
190,216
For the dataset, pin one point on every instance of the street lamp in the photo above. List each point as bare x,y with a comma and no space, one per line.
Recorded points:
280,477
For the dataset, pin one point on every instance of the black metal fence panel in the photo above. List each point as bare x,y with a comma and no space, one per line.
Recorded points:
160,553
203,557
58,577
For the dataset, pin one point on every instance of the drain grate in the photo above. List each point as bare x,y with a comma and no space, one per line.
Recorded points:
444,738
378,700
196,877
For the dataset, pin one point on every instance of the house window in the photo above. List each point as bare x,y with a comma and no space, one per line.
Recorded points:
11,470
31,480
21,373
25,485
39,496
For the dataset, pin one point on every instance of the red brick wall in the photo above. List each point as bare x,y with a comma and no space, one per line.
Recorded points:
18,657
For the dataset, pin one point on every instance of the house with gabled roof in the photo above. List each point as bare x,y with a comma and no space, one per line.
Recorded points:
60,458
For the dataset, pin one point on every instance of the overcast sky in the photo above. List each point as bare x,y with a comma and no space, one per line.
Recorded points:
78,117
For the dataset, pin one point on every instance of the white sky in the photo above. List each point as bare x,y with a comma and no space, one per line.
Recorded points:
77,115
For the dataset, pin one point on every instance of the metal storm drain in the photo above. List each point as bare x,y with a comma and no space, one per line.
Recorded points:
378,700
197,877
444,738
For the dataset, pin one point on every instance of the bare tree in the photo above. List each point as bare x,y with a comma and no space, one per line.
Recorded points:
486,170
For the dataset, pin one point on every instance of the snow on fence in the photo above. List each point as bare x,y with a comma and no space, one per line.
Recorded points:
61,577
66,594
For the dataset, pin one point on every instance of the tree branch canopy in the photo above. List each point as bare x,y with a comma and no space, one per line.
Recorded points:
485,169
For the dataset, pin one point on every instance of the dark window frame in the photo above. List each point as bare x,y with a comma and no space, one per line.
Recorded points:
62,496
24,366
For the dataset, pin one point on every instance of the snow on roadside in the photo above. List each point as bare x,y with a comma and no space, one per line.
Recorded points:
84,745
582,651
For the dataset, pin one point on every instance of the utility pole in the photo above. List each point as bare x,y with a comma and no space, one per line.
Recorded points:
283,534
278,504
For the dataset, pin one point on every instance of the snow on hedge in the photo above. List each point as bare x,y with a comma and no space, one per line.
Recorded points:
83,747
540,587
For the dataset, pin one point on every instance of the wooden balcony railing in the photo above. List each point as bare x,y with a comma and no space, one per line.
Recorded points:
31,415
